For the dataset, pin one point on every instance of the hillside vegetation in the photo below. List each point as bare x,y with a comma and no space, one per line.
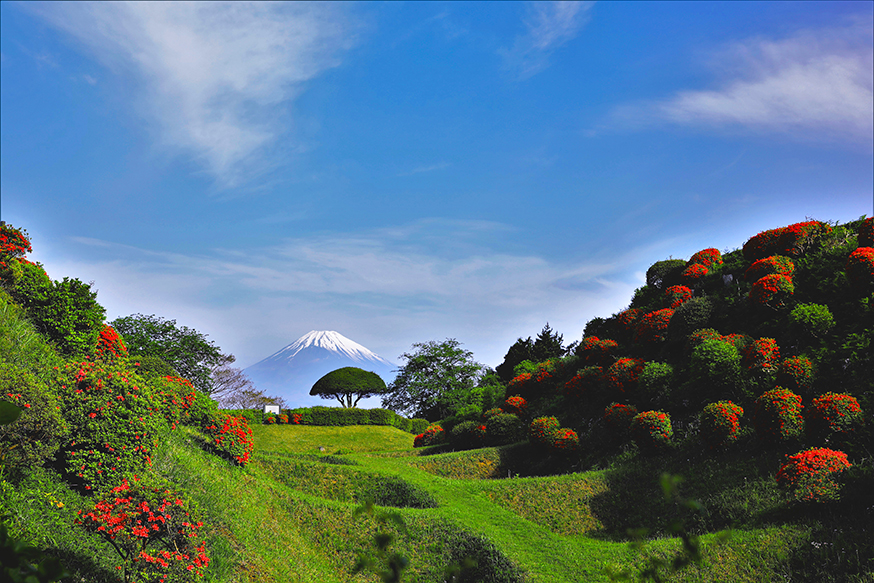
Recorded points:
720,423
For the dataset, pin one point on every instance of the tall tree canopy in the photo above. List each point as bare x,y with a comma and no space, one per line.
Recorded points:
347,383
549,344
185,349
437,376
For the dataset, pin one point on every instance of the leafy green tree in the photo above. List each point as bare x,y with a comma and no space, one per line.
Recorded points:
185,349
347,383
436,380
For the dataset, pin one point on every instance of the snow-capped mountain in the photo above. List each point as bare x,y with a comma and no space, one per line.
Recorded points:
291,372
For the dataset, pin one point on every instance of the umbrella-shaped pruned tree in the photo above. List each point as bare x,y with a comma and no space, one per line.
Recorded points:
347,383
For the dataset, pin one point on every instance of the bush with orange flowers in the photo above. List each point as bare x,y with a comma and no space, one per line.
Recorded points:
777,417
694,274
720,423
653,327
834,413
796,374
707,258
594,351
621,377
617,420
651,430
860,267
676,295
810,475
775,264
772,290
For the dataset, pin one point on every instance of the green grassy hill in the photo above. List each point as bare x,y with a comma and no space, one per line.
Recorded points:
307,503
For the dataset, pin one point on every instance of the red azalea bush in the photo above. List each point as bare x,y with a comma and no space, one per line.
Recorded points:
596,352
617,419
627,319
810,475
492,413
115,421
866,233
772,290
777,416
796,374
792,240
270,420
720,423
433,435
542,431
153,532
651,430
834,413
676,295
232,438
860,266
282,418
587,381
770,266
653,327
518,383
14,244
110,346
694,274
515,405
565,440
544,371
761,355
177,397
296,418
622,376
707,257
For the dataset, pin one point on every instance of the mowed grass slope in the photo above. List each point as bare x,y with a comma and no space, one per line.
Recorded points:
540,529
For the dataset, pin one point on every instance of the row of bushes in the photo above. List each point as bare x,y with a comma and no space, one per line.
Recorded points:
337,417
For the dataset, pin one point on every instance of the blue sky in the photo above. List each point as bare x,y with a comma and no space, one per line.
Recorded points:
404,172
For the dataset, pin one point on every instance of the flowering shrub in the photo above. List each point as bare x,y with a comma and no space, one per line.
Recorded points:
809,475
270,419
586,381
791,241
518,383
617,419
796,374
566,440
720,423
866,233
542,431
296,418
232,438
772,290
698,337
761,355
651,430
110,346
177,397
694,274
676,295
653,327
544,371
778,415
596,352
622,376
282,418
860,266
115,420
433,435
152,531
707,257
515,405
834,413
492,412
14,244
770,266
627,319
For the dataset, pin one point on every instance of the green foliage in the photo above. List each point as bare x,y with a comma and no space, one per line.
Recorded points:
692,315
811,320
656,379
651,430
520,351
434,382
504,428
716,370
338,417
23,563
37,433
150,367
467,435
720,423
663,274
185,349
345,383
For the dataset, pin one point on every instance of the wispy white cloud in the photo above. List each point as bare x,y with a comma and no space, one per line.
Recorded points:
813,85
548,25
215,78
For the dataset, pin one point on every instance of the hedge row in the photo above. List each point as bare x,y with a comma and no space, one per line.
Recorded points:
337,416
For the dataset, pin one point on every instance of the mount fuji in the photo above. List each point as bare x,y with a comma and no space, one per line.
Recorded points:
291,372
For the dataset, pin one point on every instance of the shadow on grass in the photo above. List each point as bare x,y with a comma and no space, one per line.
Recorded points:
84,568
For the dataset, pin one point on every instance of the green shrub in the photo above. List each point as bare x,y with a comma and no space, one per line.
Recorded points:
467,435
692,315
150,367
542,431
504,428
202,409
39,431
418,425
716,370
656,379
341,417
811,320
398,493
663,274
617,420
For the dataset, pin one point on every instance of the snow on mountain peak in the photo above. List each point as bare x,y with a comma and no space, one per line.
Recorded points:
332,341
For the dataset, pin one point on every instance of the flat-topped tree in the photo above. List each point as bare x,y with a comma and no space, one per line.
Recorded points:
345,383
